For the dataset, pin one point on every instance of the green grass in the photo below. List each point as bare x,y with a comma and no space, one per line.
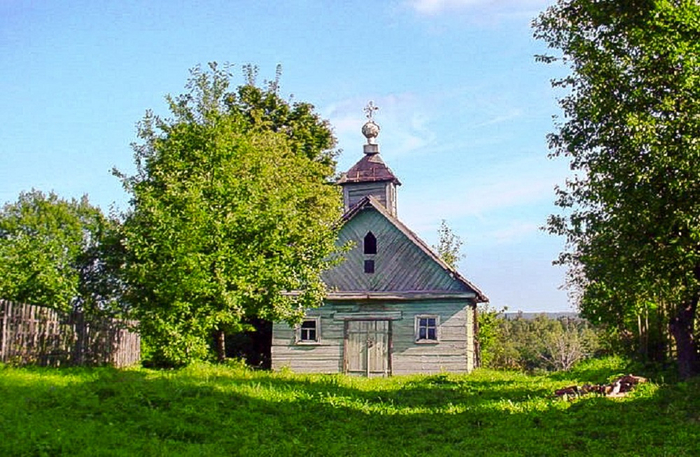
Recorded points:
217,410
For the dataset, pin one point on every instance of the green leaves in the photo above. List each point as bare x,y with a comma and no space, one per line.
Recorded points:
541,343
232,217
449,247
632,120
49,250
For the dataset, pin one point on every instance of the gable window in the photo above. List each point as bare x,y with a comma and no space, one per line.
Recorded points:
370,244
427,328
369,266
309,331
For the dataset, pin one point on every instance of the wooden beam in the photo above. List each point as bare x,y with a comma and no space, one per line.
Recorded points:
398,296
371,315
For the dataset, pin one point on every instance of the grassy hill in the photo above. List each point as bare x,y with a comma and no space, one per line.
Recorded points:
216,410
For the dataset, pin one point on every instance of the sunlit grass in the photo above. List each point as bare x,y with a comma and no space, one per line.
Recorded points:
229,410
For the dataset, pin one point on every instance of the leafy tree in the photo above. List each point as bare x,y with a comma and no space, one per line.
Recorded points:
631,212
449,247
541,343
263,110
487,333
233,217
567,342
50,253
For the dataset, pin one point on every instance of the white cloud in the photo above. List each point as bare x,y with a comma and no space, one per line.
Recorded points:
439,6
516,185
482,176
491,7
515,232
505,204
508,115
405,115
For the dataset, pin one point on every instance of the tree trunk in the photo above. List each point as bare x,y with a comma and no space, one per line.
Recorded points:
682,327
220,344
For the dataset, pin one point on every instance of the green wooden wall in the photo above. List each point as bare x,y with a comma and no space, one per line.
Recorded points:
453,353
400,265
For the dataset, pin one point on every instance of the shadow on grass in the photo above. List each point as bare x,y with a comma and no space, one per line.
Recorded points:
214,411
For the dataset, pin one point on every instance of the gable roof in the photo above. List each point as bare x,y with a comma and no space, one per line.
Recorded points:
370,168
370,201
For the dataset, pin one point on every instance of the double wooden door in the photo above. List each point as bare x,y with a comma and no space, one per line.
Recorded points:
368,347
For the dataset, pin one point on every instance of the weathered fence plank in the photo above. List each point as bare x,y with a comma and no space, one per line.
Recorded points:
31,334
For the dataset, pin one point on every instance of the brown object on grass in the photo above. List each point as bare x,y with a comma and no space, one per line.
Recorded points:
618,388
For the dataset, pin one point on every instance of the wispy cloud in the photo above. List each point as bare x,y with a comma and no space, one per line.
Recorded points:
405,115
495,8
506,116
485,195
509,202
516,231
462,155
431,7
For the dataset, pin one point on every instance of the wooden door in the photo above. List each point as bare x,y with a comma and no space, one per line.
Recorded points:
368,347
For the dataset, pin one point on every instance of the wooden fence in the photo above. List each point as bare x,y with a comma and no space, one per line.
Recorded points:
38,335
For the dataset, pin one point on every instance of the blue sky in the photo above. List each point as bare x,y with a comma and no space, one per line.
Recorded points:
464,108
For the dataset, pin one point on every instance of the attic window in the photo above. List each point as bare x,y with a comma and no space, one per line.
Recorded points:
370,244
369,266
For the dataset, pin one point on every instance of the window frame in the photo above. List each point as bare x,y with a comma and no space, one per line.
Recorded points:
299,331
369,248
418,326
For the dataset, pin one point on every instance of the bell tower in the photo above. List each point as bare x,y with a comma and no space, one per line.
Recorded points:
370,176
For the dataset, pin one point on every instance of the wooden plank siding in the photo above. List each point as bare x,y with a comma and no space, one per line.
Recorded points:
380,190
407,280
31,334
452,353
399,264
449,354
324,357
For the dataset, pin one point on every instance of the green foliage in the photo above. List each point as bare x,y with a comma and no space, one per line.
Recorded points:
51,253
541,343
631,213
487,337
218,410
233,216
263,110
449,247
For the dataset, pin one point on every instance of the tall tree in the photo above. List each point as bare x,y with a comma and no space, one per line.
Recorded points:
232,217
51,251
631,212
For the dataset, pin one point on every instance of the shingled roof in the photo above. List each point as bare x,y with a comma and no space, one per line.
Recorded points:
371,168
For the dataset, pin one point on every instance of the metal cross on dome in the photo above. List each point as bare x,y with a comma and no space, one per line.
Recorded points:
370,109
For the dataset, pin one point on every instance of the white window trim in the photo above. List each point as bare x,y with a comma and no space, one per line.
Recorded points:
416,327
297,332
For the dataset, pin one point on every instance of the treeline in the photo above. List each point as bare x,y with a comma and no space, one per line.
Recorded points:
539,344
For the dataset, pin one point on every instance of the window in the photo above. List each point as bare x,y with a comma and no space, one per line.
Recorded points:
369,266
309,331
370,244
427,329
